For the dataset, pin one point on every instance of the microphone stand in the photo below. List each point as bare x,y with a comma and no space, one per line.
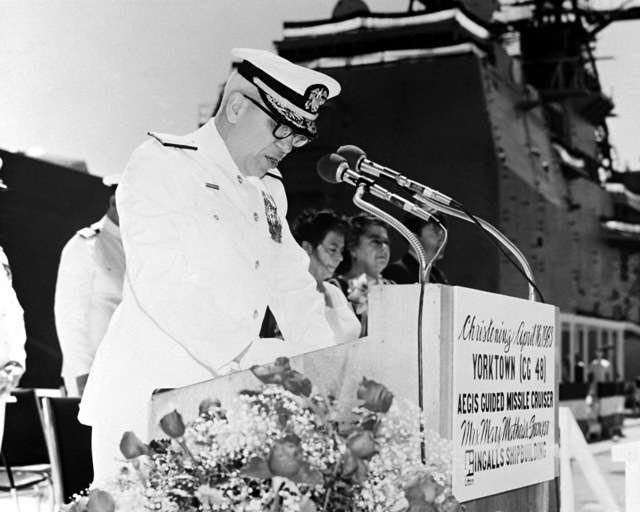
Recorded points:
411,238
427,271
491,229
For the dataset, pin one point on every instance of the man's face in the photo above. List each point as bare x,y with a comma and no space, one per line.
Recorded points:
257,149
431,237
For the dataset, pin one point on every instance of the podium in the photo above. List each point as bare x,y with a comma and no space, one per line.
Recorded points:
482,367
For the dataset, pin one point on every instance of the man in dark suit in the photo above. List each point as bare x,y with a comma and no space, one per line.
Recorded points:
431,235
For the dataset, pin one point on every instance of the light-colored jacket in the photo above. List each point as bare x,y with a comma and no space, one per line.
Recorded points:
88,290
12,332
207,250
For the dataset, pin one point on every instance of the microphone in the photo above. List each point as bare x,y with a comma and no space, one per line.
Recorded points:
357,159
334,168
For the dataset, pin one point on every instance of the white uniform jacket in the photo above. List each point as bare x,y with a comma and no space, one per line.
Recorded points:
88,290
12,332
207,249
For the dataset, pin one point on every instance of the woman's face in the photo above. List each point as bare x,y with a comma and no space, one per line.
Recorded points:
325,257
372,252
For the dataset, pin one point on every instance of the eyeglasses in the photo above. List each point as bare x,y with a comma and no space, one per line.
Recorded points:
282,131
334,251
378,243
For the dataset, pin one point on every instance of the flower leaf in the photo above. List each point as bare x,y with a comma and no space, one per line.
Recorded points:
308,474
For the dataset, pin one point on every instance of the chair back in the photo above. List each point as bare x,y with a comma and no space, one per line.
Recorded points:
69,443
24,443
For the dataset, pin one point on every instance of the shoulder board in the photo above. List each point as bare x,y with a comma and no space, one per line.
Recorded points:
173,141
88,232
274,173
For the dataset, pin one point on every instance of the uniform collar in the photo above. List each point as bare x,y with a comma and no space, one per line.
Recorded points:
211,146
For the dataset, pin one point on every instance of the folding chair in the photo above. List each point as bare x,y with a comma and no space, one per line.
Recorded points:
24,456
69,444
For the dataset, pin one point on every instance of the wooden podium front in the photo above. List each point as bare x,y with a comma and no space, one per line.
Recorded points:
474,373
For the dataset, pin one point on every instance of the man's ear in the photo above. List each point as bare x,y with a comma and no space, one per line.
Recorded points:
308,248
236,106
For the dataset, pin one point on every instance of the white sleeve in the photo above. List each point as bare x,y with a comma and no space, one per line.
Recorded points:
12,331
72,307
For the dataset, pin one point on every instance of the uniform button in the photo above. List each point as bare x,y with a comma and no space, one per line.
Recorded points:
256,216
239,179
257,265
255,314
216,217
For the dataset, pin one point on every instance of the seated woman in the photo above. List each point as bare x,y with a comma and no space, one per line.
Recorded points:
368,255
321,234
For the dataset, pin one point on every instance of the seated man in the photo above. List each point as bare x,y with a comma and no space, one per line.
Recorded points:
431,236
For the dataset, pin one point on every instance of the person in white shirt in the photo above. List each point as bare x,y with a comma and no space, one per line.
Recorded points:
600,369
13,334
88,290
207,250
322,235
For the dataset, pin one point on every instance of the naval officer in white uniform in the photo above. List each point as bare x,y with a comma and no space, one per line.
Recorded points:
13,334
88,291
207,249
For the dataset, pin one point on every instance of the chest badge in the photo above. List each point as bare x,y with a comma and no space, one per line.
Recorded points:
271,213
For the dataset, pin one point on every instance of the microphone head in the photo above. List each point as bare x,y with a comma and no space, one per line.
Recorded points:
352,154
330,167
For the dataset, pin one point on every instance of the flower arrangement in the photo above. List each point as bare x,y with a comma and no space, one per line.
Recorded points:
286,450
358,293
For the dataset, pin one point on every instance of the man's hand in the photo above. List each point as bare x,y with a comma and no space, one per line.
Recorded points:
10,375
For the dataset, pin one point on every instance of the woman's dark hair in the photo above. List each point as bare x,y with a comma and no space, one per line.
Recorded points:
312,226
415,224
358,224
